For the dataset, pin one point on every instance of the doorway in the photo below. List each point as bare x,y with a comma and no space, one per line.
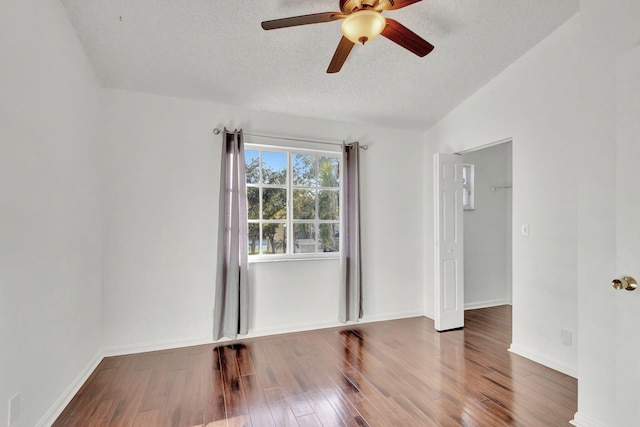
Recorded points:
488,226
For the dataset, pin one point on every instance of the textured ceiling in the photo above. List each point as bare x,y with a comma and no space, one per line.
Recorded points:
216,50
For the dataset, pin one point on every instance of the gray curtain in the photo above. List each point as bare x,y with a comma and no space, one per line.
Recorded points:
351,277
230,311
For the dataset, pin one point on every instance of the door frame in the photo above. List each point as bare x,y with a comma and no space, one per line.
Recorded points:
438,294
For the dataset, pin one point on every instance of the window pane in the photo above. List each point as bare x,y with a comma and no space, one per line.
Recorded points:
274,168
254,239
292,198
304,204
304,238
329,172
253,202
274,203
304,169
275,238
252,166
329,238
328,204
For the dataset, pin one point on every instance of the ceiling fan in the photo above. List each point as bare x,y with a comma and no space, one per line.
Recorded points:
363,21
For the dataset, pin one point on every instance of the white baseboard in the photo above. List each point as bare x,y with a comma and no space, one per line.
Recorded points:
581,420
301,327
121,350
543,360
297,327
56,409
254,333
485,304
392,316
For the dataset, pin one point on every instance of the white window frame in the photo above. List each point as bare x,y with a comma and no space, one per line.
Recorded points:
290,255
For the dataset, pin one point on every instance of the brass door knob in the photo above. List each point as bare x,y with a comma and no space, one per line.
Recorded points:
627,283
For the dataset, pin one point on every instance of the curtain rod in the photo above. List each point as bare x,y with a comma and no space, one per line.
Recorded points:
216,131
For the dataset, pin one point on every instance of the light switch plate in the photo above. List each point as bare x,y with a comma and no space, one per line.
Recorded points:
524,230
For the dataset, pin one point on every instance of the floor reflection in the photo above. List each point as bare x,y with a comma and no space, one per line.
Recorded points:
352,359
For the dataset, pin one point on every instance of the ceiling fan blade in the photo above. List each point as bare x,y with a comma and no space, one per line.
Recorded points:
341,54
314,18
393,5
398,33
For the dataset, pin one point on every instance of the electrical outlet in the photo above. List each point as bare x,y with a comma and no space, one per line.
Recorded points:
14,409
566,337
524,230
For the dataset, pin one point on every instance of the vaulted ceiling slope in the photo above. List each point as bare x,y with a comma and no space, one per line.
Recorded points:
216,50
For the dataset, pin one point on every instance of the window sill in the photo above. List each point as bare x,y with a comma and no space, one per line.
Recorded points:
259,260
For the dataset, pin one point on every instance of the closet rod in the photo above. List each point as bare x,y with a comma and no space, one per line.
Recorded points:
216,131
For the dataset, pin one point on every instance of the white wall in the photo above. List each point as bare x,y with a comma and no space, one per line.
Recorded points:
162,163
536,102
487,229
50,256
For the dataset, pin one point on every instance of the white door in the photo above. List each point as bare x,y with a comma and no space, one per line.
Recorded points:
628,238
449,280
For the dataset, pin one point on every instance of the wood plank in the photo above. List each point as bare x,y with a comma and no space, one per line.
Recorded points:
280,410
243,357
215,405
147,419
104,413
130,399
234,398
309,421
345,410
323,409
259,411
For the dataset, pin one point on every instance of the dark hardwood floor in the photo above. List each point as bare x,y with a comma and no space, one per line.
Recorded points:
395,373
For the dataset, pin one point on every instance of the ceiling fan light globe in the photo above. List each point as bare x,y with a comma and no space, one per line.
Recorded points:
363,26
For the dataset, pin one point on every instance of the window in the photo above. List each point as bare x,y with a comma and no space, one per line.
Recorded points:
467,187
293,200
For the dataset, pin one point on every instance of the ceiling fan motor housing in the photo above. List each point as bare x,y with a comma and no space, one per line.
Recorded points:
348,6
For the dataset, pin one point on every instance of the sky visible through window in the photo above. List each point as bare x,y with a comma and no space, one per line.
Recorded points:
277,161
